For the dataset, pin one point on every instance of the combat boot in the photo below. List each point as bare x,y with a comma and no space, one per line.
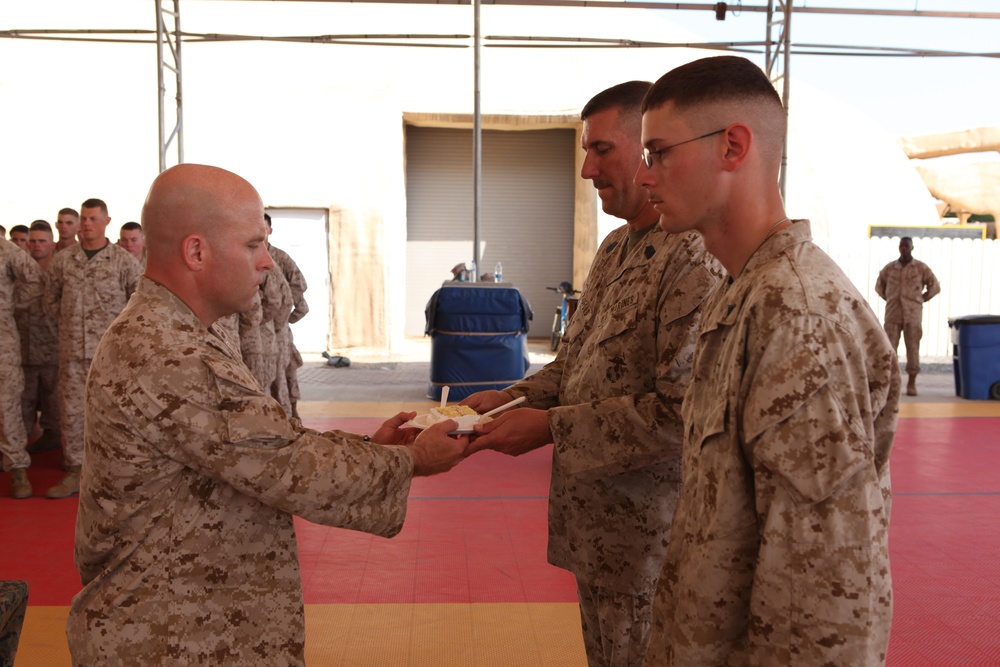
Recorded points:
22,486
911,386
68,485
49,440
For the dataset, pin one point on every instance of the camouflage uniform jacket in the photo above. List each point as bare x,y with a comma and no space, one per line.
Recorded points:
296,281
779,553
276,304
184,537
902,287
614,392
249,328
20,286
39,333
284,307
85,295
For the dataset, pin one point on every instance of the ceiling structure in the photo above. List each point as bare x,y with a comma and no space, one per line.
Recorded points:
776,42
776,45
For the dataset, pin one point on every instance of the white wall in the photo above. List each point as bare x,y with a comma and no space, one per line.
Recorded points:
320,126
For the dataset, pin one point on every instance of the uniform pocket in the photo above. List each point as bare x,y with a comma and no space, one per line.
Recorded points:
618,323
251,418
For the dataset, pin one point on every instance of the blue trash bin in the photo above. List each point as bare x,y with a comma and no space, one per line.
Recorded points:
976,358
479,338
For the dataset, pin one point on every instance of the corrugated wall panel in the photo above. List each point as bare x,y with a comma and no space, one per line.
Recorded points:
527,213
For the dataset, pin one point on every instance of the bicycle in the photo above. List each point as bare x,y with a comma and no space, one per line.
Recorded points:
564,311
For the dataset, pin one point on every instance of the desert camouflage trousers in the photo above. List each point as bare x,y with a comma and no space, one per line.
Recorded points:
616,626
41,394
279,383
912,333
72,385
13,438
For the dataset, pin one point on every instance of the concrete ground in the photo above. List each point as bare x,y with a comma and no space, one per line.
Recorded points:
375,377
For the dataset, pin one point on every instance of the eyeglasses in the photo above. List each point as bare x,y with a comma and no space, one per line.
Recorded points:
647,155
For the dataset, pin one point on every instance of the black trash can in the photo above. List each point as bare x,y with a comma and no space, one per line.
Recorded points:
479,338
976,358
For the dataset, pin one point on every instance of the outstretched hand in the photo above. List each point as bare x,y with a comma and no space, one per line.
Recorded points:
513,433
484,401
390,433
434,451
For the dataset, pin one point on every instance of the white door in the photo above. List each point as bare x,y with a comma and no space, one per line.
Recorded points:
302,233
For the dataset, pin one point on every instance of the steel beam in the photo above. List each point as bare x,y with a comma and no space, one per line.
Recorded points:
168,57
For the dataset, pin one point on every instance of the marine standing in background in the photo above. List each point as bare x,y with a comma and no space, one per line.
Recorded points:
40,352
276,301
251,344
131,239
19,236
68,226
906,284
20,285
88,285
297,283
610,401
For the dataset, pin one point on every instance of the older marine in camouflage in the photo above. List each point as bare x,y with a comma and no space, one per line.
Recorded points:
779,553
614,393
610,401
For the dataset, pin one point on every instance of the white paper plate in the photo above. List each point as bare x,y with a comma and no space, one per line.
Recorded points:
420,421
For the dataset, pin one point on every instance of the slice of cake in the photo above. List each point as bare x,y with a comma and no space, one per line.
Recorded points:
465,416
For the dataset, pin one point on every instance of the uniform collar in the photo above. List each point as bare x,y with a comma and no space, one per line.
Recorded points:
724,308
181,315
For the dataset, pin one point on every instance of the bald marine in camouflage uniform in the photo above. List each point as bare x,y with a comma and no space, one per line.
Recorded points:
184,538
87,285
20,285
779,552
610,401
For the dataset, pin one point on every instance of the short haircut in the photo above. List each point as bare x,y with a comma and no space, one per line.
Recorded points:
708,80
3,231
267,219
69,211
95,203
725,90
22,229
906,238
132,226
627,96
41,226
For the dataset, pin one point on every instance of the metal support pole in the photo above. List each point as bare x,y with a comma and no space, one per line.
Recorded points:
477,145
171,39
780,50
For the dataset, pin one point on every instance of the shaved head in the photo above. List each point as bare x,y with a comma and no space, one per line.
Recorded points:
205,239
193,199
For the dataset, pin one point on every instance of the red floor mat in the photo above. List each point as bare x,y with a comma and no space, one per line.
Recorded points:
478,533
